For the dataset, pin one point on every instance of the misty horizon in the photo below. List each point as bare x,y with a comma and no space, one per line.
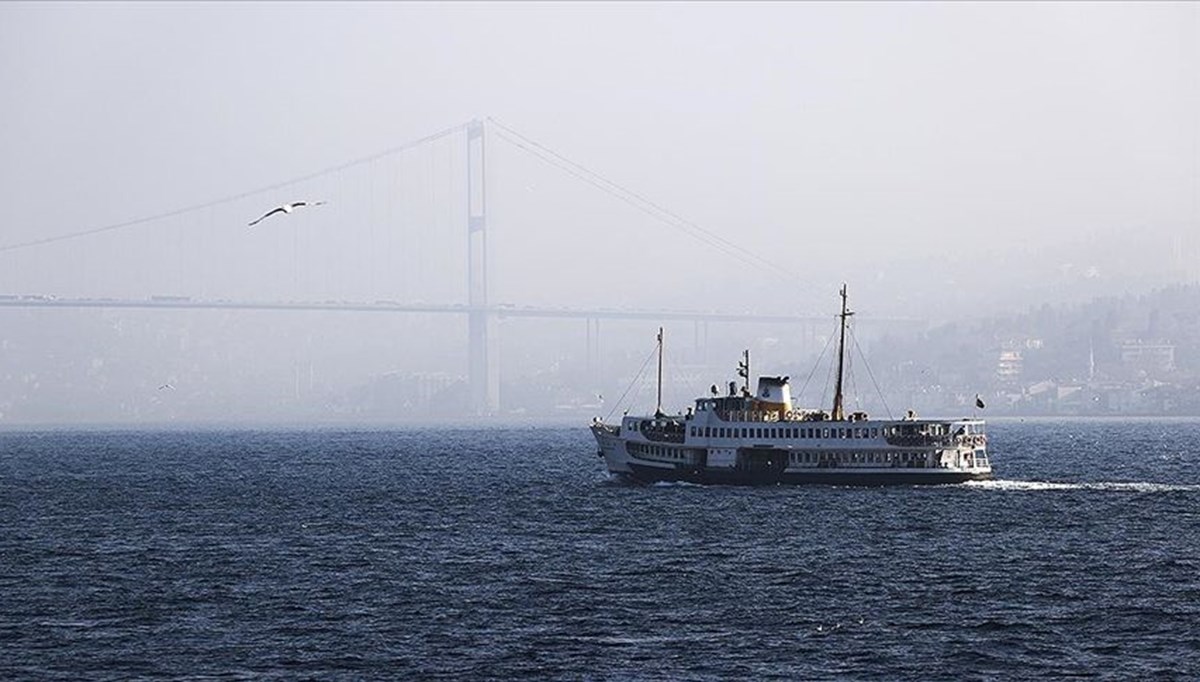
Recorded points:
951,163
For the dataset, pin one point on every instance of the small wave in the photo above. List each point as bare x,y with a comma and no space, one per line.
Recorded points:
83,624
1136,487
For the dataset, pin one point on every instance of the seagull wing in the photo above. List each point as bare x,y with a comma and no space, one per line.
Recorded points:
277,209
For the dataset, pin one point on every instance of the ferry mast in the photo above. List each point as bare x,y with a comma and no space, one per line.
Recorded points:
839,413
658,410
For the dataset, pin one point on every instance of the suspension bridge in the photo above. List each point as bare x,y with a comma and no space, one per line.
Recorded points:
391,239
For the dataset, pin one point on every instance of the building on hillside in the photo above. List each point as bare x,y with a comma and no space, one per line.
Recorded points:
1152,358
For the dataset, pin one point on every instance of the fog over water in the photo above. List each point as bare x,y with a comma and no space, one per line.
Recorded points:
949,162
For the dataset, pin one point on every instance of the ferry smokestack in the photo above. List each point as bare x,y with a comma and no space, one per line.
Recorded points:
774,395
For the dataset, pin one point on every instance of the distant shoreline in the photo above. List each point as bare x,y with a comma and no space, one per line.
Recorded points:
474,424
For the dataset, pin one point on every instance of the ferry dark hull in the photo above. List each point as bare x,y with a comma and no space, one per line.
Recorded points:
651,474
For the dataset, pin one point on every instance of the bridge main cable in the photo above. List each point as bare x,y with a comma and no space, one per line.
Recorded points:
242,195
636,200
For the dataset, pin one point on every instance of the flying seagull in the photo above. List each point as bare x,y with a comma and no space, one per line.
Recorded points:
979,402
166,387
286,208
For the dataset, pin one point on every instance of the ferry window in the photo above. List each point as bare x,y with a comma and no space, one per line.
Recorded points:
824,433
874,432
745,432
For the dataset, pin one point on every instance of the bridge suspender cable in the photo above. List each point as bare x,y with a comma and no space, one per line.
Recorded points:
225,200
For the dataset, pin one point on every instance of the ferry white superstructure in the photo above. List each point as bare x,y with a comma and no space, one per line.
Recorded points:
762,439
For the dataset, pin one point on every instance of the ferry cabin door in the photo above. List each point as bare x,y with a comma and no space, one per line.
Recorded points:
763,464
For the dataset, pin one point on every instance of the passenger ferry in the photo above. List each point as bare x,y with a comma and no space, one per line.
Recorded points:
762,439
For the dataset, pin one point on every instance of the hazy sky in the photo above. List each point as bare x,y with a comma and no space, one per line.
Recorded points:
882,133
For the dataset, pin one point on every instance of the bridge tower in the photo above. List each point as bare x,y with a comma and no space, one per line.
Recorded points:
483,372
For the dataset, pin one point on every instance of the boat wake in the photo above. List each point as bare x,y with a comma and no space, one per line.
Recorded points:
1134,487
676,484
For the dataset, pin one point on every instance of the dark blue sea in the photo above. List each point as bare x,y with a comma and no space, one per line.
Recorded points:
504,553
